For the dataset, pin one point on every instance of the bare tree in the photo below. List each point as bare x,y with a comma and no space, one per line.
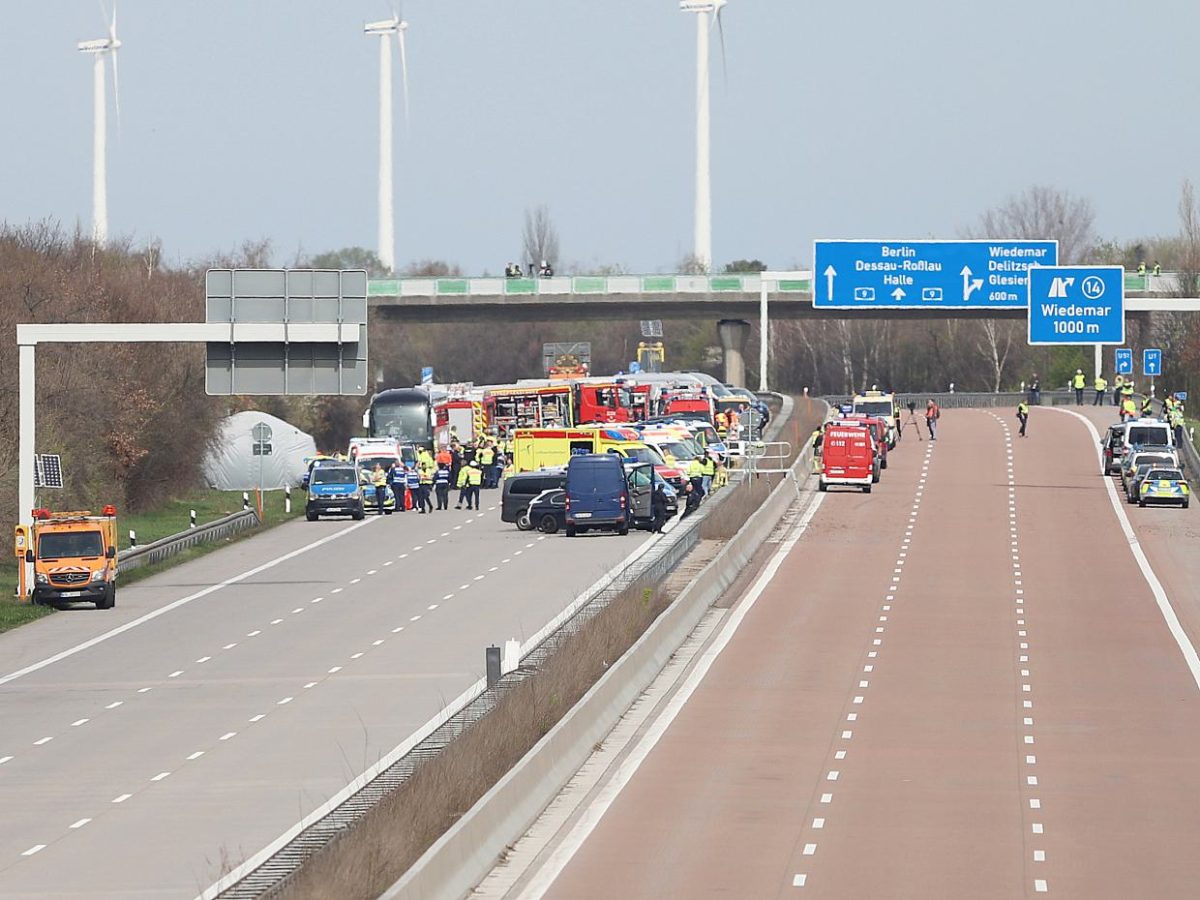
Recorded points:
1189,236
539,237
1042,213
691,264
994,344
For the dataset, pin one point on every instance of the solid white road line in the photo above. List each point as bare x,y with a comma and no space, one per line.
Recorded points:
562,855
1160,595
163,610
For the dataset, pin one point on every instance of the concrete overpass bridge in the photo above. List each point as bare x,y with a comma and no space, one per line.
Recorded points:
732,301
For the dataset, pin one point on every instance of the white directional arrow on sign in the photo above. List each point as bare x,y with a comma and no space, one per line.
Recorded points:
970,285
830,272
898,294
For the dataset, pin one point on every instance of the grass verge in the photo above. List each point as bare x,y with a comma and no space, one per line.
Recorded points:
171,518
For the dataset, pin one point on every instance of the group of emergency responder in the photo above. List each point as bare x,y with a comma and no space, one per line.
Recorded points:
467,468
1124,397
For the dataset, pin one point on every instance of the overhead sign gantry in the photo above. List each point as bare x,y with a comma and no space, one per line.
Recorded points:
925,274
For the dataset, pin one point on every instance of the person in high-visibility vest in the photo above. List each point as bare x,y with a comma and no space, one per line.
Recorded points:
1022,416
708,469
1101,387
1147,406
425,477
379,482
1079,382
1128,408
474,480
441,486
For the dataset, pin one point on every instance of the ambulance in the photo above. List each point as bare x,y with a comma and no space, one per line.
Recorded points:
881,404
74,556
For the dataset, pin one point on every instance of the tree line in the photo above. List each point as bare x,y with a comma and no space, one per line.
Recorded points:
133,423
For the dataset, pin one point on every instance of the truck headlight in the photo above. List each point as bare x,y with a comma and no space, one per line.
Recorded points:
98,575
42,579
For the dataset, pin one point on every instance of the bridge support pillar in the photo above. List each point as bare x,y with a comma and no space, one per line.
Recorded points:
733,334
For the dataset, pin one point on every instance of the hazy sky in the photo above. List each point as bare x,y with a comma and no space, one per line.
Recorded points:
839,119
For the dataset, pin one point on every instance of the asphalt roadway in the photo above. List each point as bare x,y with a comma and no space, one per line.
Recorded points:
249,686
962,685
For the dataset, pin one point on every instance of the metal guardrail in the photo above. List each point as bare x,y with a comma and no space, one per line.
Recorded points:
270,878
165,548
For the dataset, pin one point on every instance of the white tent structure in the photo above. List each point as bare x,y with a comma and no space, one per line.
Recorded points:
233,465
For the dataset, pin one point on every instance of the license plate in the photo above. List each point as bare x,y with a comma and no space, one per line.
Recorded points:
70,593
583,515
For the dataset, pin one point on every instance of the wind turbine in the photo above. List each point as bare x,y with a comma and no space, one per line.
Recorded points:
387,214
708,16
100,48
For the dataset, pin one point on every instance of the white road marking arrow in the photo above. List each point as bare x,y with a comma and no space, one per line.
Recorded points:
970,285
830,272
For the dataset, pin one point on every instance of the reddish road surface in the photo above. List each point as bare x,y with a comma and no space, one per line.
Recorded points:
961,685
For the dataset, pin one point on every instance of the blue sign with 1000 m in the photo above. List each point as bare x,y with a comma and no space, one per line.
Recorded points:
1077,305
926,274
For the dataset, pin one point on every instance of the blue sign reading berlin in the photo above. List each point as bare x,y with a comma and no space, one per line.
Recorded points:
926,274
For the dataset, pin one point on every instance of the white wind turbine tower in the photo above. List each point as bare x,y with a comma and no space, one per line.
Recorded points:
387,214
708,16
100,48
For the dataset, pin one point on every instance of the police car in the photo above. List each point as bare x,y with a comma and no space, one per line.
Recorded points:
1164,486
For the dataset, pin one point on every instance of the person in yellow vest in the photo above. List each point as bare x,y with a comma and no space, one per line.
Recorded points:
722,421
1101,387
1118,383
425,475
695,475
1147,406
487,460
379,482
708,470
1022,416
474,480
721,478
1128,408
1079,382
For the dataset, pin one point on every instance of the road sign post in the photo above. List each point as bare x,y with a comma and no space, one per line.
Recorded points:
936,275
1072,305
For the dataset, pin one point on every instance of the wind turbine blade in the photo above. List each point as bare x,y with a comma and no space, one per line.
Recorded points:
403,73
112,29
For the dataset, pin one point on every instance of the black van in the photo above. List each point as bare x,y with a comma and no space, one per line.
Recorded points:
521,488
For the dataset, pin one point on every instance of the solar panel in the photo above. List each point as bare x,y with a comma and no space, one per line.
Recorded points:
47,471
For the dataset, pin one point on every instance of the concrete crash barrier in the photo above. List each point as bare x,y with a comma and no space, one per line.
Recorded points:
461,857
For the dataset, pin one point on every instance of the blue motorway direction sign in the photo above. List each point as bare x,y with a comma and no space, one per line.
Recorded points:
934,275
1077,305
1151,362
1124,361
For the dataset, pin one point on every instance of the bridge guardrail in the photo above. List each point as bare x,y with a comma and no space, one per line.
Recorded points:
165,548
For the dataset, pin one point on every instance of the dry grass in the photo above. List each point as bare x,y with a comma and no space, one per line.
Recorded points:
395,834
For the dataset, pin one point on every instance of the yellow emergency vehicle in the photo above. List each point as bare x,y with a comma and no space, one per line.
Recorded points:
74,556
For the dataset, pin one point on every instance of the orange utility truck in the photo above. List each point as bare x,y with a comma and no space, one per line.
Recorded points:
74,556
